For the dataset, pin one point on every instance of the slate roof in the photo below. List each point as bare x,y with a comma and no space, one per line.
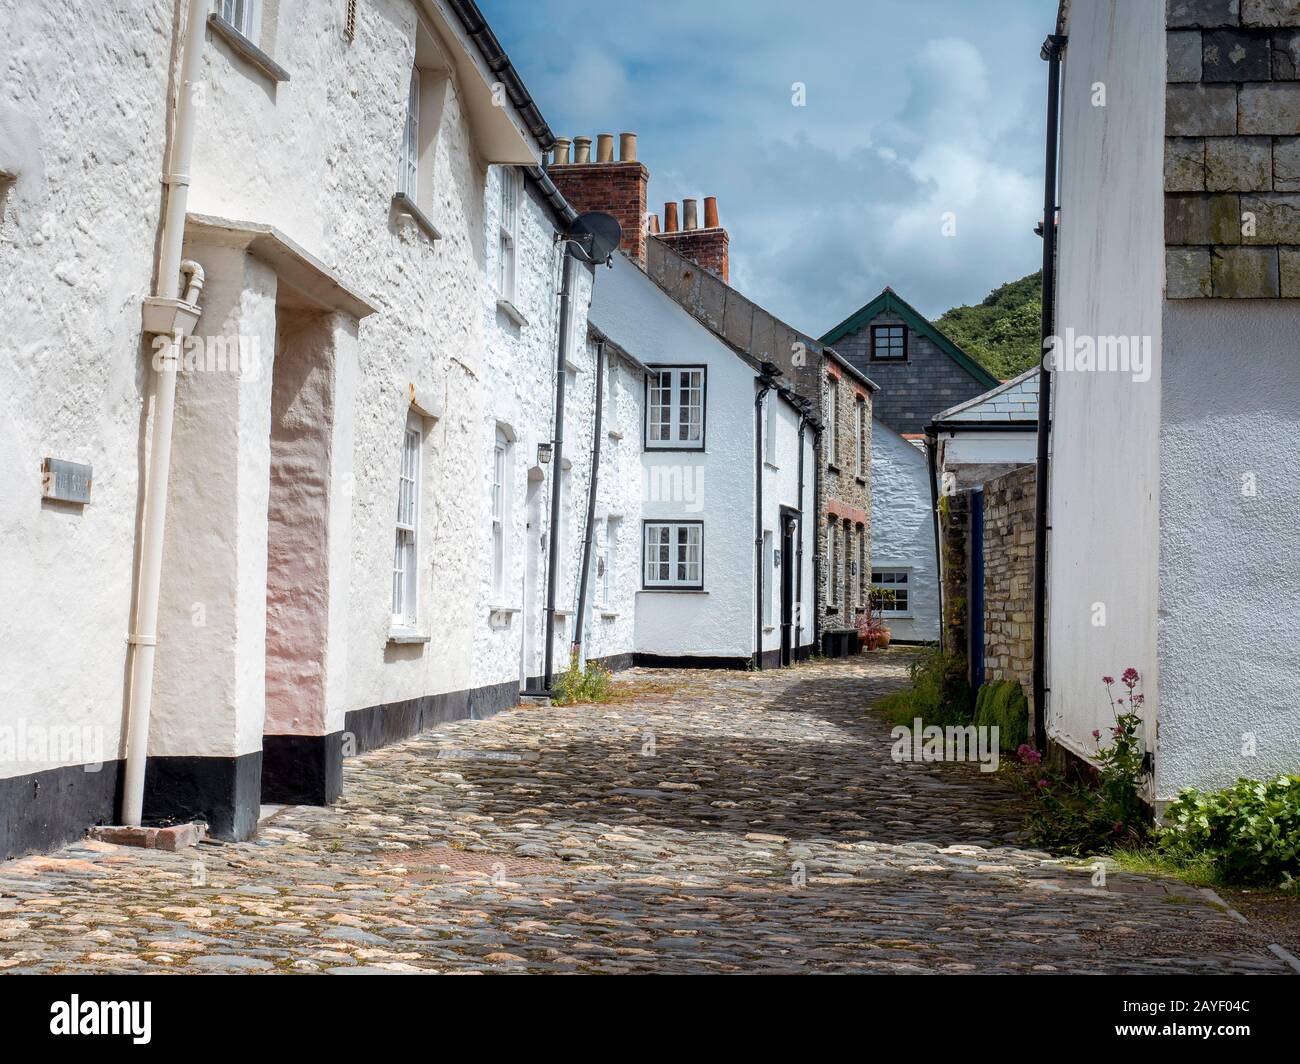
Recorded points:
1013,402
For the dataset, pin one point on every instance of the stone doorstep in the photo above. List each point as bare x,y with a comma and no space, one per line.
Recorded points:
176,837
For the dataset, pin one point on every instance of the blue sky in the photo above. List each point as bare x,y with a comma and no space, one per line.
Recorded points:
914,108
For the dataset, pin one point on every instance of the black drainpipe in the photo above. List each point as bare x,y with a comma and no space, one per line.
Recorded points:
798,547
1051,52
591,496
932,454
557,457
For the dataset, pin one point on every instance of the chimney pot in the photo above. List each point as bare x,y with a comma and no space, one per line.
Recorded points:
670,217
653,223
561,151
710,212
604,147
690,214
627,147
581,151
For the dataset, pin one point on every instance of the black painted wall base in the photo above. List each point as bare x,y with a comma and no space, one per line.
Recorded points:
45,810
688,661
302,769
224,791
392,722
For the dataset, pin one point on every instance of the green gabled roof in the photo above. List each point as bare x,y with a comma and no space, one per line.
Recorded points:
890,301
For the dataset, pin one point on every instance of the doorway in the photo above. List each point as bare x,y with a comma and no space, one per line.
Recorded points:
788,605
532,593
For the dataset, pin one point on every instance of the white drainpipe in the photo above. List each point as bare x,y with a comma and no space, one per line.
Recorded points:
164,314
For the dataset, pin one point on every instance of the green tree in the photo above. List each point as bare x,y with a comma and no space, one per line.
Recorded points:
1001,333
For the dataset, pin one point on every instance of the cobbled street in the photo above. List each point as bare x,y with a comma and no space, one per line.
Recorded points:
713,822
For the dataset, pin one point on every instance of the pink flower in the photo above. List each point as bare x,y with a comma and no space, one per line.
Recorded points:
1119,701
1042,785
1108,680
1096,733
1138,699
1117,731
1130,677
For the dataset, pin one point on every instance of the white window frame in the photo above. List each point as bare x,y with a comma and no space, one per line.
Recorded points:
769,429
243,15
406,546
612,389
686,390
500,511
408,163
601,562
860,424
508,233
906,584
833,419
769,581
671,544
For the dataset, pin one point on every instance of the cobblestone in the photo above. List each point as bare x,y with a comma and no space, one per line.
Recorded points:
715,822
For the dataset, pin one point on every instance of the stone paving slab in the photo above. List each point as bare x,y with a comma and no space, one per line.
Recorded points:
718,822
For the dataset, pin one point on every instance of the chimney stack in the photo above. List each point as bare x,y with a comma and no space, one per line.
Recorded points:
709,246
653,223
616,187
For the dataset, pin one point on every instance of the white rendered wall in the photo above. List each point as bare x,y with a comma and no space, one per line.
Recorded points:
1103,548
1230,543
715,485
76,257
902,529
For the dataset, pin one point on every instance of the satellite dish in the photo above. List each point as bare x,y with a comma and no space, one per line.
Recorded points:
596,235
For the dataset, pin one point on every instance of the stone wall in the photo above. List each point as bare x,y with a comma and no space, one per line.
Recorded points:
954,543
1009,577
1232,149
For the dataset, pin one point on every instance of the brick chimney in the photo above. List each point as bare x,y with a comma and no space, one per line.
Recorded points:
617,187
707,246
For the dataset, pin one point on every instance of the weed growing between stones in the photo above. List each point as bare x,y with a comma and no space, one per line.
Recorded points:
939,693
578,684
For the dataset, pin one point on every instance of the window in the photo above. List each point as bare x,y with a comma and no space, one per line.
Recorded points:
888,343
864,588
508,225
769,429
675,408
500,510
602,566
612,391
832,569
244,15
405,569
769,588
674,555
860,431
889,588
408,170
833,419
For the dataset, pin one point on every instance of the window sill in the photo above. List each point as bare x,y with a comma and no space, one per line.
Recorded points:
832,467
505,609
768,629
246,49
672,591
861,480
651,447
512,312
896,616
608,615
407,636
771,465
403,204
615,434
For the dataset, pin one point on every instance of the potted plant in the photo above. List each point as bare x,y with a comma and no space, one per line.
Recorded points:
873,633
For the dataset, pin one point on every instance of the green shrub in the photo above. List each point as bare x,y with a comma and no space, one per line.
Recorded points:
576,684
1250,830
939,693
1002,704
